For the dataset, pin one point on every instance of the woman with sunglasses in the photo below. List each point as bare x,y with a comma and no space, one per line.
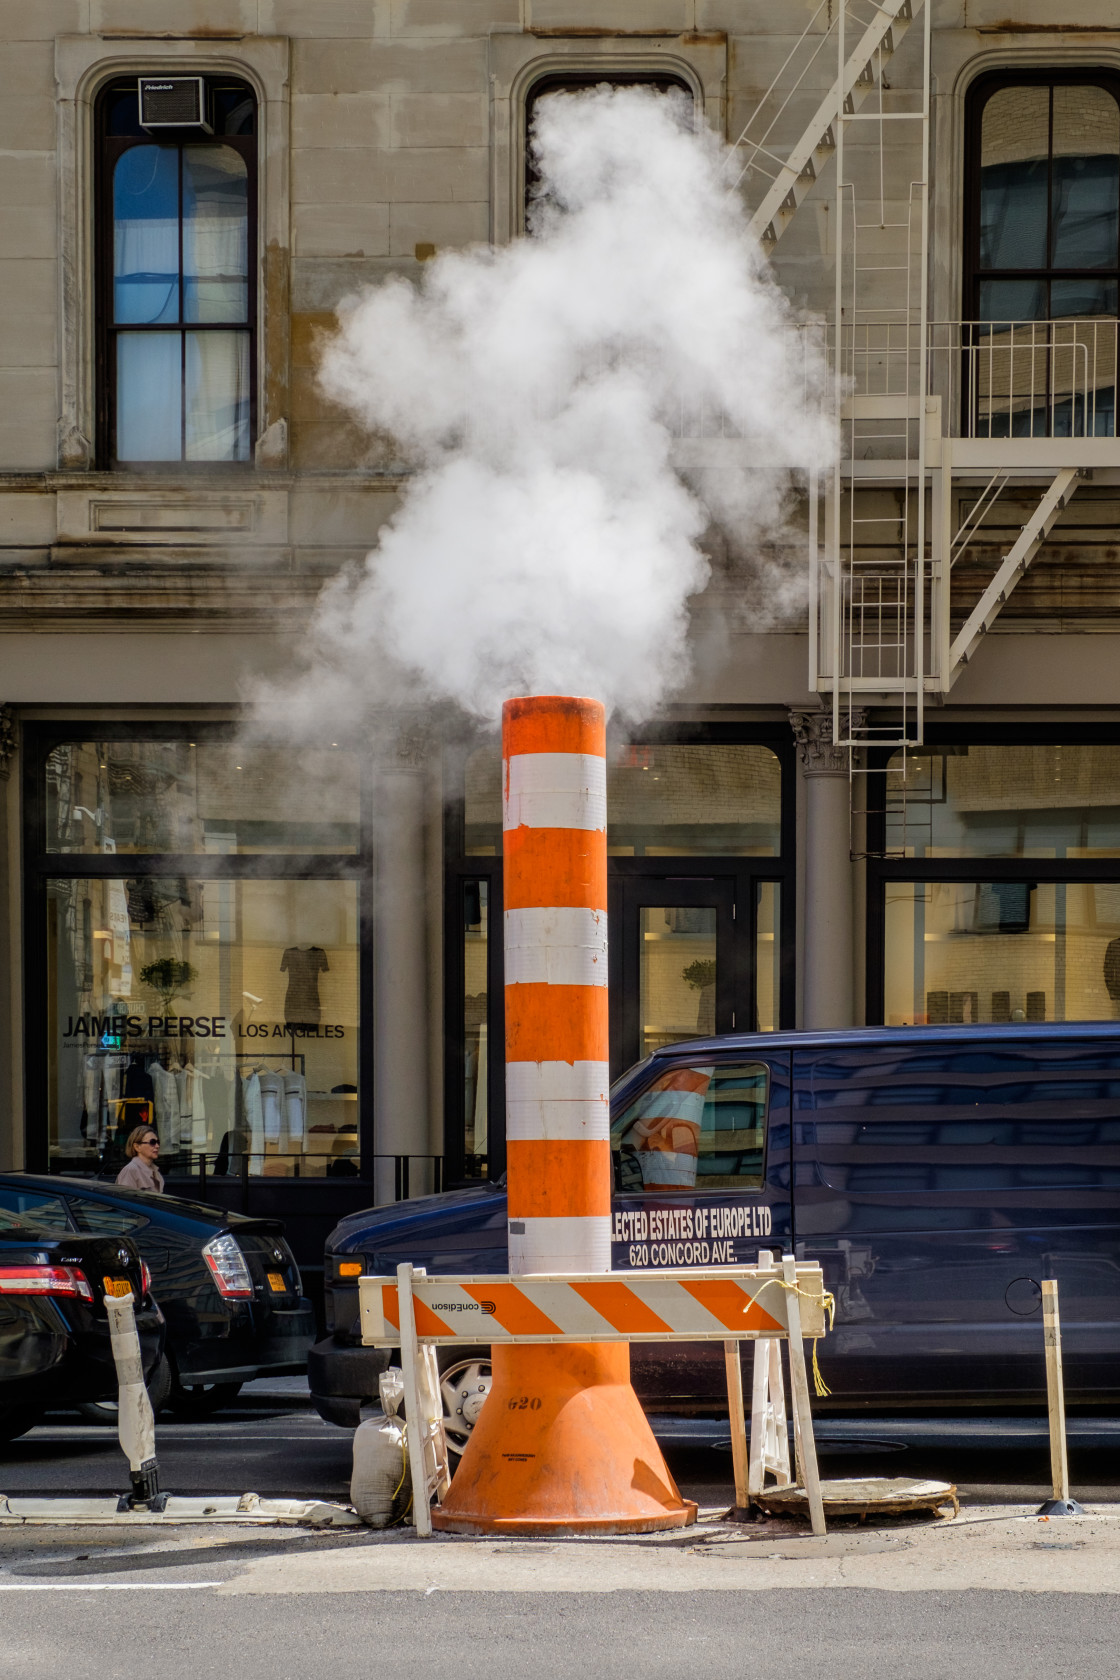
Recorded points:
141,1171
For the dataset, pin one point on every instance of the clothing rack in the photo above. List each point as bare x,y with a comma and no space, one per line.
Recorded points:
292,1055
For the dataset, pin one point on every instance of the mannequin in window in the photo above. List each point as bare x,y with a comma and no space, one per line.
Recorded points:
1112,973
303,966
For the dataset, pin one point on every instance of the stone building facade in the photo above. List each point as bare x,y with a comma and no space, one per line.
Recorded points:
321,920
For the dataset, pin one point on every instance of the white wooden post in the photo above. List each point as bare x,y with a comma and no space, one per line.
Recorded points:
1059,1504
802,1415
413,1406
737,1411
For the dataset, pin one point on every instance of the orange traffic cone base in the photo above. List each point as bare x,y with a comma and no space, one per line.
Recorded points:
562,1447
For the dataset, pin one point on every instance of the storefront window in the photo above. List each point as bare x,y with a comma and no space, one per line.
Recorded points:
1001,951
677,974
663,800
200,905
1021,801
182,796
222,1012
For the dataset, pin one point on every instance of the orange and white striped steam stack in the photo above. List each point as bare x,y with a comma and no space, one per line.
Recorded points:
561,1435
557,1034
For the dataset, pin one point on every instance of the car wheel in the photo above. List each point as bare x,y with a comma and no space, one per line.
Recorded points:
202,1400
159,1393
16,1420
465,1379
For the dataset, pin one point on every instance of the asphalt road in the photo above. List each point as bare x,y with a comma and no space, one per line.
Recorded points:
267,1604
826,1635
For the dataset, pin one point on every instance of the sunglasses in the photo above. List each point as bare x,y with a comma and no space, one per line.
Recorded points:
149,1143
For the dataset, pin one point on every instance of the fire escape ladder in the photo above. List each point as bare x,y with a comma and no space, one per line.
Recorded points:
1011,568
858,76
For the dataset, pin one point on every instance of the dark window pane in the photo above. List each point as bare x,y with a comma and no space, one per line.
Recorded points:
1013,178
234,111
149,397
698,1127
1013,300
1087,297
146,236
1086,178
122,112
215,234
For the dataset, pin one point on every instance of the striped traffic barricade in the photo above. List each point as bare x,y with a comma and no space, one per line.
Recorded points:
766,1303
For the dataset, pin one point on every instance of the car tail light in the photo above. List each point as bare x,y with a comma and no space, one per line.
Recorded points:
228,1268
45,1280
145,1278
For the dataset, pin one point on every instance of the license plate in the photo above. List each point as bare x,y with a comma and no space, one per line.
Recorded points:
276,1283
117,1286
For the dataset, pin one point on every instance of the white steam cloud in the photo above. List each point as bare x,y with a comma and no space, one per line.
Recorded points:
549,537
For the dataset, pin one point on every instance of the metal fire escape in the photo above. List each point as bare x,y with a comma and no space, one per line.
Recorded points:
925,409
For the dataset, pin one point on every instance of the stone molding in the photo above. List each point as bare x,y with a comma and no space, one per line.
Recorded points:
83,64
817,751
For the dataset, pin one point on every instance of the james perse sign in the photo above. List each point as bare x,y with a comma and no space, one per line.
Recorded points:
173,102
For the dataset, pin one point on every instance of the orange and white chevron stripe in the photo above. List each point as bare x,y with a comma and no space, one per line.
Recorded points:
557,1050
731,1304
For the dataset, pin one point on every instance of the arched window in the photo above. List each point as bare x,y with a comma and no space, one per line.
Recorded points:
1043,232
176,267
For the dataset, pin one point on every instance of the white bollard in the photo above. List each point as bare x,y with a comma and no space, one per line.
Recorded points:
136,1424
1059,1504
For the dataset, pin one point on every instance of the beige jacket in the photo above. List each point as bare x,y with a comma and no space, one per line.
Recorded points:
138,1175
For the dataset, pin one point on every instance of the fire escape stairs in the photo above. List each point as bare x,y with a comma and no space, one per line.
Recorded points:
1012,567
863,68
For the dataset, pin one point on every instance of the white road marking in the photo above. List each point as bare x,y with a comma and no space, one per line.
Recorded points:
106,1586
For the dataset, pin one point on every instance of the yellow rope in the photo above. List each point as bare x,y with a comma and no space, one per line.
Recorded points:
828,1305
404,1473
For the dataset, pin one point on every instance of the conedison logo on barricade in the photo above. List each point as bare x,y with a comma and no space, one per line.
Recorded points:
464,1306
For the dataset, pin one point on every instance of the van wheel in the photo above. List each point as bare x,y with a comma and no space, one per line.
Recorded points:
159,1393
465,1379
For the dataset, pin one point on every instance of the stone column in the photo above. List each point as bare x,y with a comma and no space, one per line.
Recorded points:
400,964
826,911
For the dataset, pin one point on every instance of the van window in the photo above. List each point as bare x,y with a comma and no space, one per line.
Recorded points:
986,1120
696,1127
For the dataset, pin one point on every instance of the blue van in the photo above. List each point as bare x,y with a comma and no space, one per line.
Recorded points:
938,1174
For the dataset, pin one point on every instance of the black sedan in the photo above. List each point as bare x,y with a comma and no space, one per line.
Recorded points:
228,1286
55,1347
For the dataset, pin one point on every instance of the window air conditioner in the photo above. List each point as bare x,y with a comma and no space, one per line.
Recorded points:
173,102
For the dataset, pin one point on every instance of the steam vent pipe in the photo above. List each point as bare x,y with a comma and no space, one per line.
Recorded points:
562,1445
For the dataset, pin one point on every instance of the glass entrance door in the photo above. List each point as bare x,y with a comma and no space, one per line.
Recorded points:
676,970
